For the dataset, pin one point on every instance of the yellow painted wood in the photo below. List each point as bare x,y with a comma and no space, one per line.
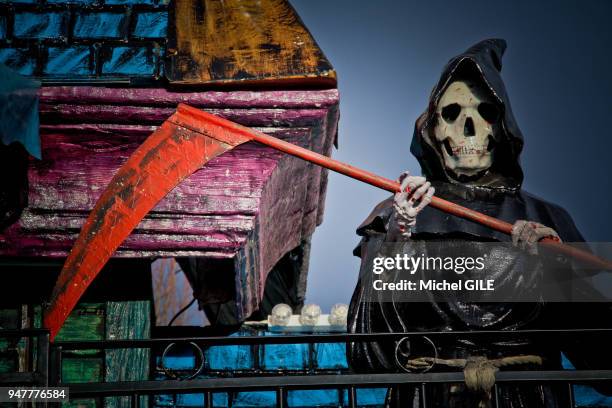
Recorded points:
243,42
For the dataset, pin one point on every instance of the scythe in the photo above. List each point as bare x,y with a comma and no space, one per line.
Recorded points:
184,143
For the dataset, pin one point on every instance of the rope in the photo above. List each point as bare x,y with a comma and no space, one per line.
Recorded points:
479,372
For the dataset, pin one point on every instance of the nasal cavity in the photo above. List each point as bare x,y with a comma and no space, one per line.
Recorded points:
468,129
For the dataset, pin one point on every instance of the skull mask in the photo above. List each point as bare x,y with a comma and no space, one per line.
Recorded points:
310,315
281,314
467,123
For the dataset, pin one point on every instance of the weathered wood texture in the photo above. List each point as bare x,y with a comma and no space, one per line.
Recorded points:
127,320
110,321
238,41
251,205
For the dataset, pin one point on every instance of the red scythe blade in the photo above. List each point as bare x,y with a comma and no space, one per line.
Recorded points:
183,144
169,155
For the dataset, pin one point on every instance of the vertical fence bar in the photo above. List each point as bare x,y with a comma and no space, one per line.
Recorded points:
312,361
423,395
55,365
281,397
570,389
395,394
208,399
42,363
352,397
496,395
135,400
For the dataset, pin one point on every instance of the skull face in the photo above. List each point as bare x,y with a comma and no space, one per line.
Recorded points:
467,123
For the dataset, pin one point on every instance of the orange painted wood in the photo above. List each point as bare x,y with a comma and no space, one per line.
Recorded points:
243,43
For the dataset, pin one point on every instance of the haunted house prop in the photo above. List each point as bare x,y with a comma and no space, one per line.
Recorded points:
112,71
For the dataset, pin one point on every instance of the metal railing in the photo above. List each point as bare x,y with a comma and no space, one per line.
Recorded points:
37,374
49,357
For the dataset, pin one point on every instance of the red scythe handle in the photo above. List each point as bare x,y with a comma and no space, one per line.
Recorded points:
389,185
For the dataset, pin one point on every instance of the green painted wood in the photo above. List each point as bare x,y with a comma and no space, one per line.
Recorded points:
92,321
82,368
127,320
111,320
86,322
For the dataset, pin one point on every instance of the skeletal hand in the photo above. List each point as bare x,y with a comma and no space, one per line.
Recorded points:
526,234
416,192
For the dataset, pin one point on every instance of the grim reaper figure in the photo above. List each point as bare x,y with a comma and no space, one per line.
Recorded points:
468,145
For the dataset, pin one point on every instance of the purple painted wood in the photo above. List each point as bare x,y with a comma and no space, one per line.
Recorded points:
162,97
252,204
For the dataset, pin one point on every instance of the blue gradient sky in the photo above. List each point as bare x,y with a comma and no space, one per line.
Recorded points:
388,56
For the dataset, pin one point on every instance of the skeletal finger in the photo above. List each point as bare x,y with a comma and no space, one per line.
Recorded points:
533,236
517,229
526,232
412,212
544,232
426,199
416,181
400,200
419,192
532,241
403,176
522,234
404,181
400,197
402,209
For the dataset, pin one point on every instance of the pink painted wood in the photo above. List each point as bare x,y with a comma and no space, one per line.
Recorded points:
252,204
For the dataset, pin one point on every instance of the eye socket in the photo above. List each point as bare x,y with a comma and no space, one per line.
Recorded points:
489,112
451,112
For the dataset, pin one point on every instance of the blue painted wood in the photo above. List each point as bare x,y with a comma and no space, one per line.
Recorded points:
78,24
40,25
100,25
132,2
19,59
68,61
80,2
286,357
586,396
230,358
261,399
330,356
130,61
313,398
151,25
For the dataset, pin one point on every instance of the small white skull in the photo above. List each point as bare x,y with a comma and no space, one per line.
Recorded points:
467,117
281,314
310,315
338,315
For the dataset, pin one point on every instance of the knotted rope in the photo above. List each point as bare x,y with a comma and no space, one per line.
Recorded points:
479,372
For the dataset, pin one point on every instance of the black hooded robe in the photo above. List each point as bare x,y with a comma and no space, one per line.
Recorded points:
498,194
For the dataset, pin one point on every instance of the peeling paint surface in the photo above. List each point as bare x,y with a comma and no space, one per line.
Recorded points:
251,204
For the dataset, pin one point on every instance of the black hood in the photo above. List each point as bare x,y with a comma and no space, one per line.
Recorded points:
480,62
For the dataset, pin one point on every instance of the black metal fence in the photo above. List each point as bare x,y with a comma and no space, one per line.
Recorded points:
46,367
